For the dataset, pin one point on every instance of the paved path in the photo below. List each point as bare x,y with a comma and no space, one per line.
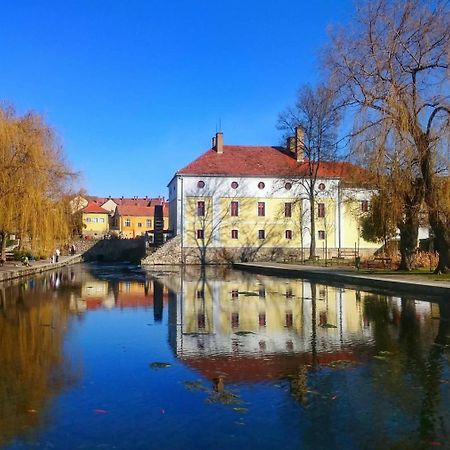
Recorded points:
15,269
349,276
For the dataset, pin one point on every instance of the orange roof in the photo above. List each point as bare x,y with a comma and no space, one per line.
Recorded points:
138,201
94,208
133,209
242,160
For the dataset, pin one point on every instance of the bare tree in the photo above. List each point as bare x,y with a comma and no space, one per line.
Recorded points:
316,114
392,67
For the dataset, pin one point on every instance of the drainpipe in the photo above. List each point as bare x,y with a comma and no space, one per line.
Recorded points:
339,219
182,219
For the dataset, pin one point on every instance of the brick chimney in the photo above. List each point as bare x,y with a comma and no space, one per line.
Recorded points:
290,144
299,144
219,142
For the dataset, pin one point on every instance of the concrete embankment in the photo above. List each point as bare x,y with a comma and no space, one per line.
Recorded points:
16,270
396,283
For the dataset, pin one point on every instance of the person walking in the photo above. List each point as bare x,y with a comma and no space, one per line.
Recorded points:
57,253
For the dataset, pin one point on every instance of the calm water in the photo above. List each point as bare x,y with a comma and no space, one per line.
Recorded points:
115,357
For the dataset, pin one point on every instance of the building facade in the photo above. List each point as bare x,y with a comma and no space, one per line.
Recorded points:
95,221
250,200
127,217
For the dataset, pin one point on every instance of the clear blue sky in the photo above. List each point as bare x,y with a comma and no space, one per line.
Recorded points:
135,89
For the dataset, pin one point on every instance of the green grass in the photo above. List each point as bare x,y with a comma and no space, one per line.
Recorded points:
422,273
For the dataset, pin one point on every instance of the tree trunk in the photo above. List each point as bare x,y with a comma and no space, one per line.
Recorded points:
3,245
312,245
433,202
409,231
441,242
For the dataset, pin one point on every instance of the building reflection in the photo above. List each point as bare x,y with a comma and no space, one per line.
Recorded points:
253,327
99,294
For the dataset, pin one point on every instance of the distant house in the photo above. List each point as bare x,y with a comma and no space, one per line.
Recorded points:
142,217
95,221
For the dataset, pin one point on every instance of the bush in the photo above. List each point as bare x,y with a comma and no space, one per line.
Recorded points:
425,259
20,254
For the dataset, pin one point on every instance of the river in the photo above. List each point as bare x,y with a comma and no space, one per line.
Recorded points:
118,357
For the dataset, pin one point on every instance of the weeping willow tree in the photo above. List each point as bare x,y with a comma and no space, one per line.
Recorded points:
392,63
34,183
395,174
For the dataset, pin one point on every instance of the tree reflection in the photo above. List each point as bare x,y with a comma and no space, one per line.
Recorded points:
431,428
33,368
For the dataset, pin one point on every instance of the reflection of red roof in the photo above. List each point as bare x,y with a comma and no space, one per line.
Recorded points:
93,303
135,300
246,368
94,208
239,160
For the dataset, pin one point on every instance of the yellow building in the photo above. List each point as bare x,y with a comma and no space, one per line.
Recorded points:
95,221
134,219
252,201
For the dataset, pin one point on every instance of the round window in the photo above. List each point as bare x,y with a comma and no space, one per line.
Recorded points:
321,187
261,185
201,184
288,186
234,184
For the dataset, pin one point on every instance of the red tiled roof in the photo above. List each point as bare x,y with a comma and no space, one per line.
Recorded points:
135,210
94,208
138,201
241,160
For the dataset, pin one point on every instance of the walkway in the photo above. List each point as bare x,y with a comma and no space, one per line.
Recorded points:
15,269
349,276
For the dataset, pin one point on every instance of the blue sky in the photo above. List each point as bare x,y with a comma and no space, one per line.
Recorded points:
136,89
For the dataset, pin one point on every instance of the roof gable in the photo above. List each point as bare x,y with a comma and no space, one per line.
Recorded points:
94,208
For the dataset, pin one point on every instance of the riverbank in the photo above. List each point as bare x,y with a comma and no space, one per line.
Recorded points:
15,269
348,276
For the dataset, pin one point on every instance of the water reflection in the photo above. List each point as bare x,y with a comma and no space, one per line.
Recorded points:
100,290
231,322
384,357
34,317
301,364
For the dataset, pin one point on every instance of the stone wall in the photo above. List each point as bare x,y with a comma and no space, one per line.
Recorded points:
82,245
116,250
170,254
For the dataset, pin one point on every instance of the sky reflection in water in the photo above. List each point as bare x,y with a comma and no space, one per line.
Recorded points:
119,357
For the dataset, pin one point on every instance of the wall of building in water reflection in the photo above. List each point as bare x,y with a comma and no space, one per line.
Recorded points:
232,314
